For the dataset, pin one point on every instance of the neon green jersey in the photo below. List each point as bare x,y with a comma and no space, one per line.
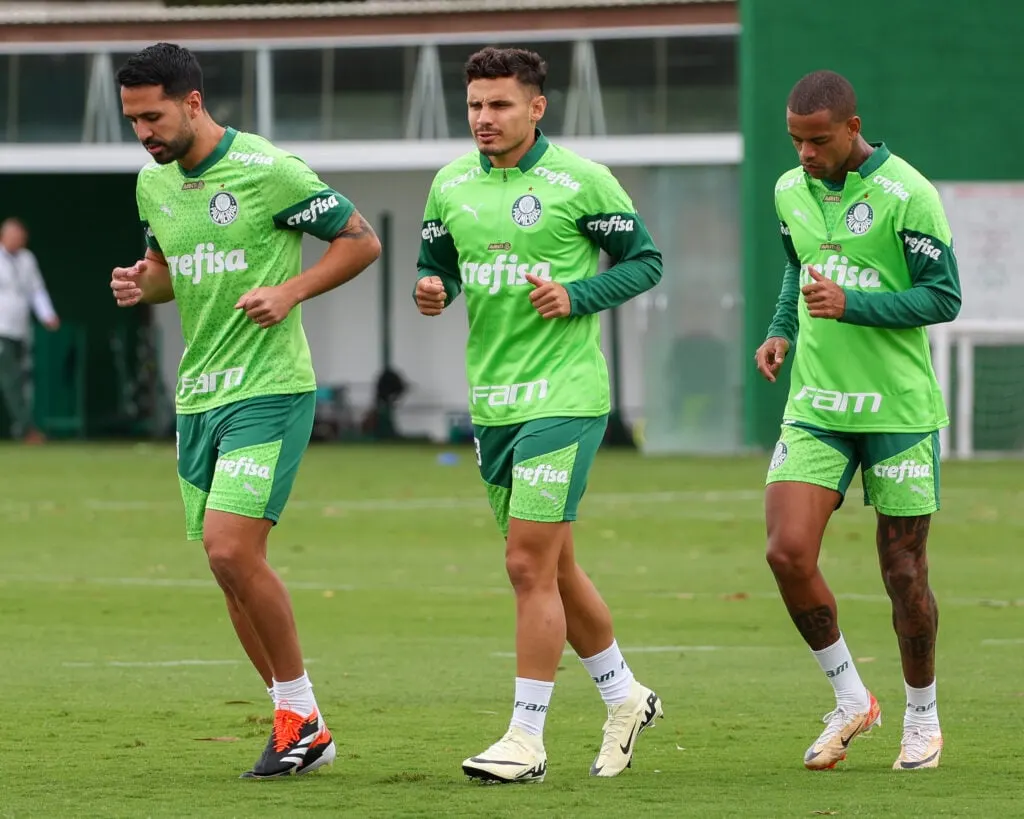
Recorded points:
882,236
233,223
485,229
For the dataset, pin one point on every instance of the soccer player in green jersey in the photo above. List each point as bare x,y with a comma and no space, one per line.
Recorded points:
223,214
870,264
518,226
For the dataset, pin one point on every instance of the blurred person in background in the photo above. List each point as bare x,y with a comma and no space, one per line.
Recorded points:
22,292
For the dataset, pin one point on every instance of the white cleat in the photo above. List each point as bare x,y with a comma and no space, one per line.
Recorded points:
920,748
624,724
516,757
841,727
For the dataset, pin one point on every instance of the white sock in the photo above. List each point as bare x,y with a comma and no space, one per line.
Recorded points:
270,693
838,666
609,670
922,709
296,695
531,705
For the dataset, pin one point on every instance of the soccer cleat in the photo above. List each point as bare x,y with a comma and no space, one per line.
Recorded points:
920,748
516,757
624,724
841,727
297,745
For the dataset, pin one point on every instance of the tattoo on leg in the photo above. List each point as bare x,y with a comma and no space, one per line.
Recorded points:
817,626
902,553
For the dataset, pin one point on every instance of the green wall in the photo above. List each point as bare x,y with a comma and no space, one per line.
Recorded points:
81,226
940,83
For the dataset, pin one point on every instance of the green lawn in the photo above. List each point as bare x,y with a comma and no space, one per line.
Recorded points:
124,693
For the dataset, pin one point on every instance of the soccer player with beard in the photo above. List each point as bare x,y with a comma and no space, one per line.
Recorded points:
223,214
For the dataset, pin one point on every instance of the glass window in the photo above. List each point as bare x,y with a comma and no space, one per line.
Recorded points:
692,322
5,96
51,91
669,84
299,81
558,56
229,82
369,93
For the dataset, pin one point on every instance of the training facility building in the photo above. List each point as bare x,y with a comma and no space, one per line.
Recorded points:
682,99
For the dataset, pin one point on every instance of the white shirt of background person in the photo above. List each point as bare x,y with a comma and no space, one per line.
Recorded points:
21,285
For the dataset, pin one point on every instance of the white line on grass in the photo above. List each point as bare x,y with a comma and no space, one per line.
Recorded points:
154,664
306,585
1017,641
654,650
427,504
158,663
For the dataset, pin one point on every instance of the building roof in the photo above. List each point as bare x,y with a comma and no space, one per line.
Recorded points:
153,11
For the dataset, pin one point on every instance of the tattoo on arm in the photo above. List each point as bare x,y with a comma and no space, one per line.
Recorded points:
817,626
355,228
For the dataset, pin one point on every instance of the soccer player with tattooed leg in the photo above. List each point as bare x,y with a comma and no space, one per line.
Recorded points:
870,264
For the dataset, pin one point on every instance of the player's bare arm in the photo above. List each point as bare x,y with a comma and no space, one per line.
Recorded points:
353,249
147,281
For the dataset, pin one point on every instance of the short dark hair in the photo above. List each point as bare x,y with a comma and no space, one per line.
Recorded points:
493,63
823,90
170,66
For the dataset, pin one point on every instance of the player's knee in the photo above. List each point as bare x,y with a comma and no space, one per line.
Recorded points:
227,558
904,578
790,556
529,564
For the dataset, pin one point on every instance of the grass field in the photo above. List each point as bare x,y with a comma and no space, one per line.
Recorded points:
124,693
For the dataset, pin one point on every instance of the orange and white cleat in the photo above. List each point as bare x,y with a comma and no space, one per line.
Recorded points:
921,748
841,726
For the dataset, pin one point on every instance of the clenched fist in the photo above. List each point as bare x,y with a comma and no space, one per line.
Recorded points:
124,282
430,295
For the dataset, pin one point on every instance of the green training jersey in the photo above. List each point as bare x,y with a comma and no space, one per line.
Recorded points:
233,223
883,236
485,229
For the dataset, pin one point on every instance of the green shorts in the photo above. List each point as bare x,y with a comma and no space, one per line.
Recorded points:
242,458
538,470
900,471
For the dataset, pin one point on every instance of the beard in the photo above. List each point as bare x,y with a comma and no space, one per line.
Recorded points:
167,152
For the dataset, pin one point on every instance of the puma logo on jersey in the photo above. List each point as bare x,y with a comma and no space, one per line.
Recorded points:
468,209
206,260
